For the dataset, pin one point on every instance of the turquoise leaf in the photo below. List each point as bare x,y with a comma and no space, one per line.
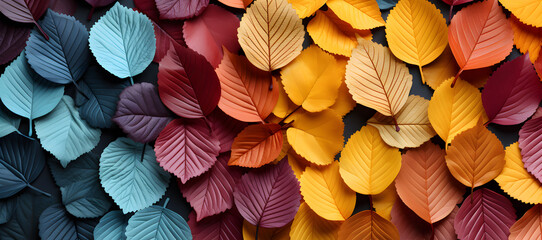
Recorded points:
8,123
157,222
111,226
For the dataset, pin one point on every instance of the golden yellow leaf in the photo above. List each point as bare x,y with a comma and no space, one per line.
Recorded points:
383,202
344,103
453,110
528,11
284,105
317,137
526,38
416,32
326,194
368,165
529,226
360,14
249,232
376,79
297,163
285,147
516,181
368,225
415,128
308,225
305,8
312,80
271,34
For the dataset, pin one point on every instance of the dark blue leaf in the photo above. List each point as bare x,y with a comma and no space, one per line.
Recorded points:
111,226
7,207
56,223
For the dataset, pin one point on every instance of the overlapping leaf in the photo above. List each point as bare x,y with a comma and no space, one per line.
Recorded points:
157,222
173,9
367,225
236,3
111,226
529,226
8,122
306,8
25,11
308,225
249,232
12,40
256,145
225,128
24,220
383,202
224,226
527,39
56,223
528,11
386,4
344,103
360,14
531,146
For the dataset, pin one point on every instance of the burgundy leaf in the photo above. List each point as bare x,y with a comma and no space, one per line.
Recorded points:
180,9
97,3
530,143
13,38
214,28
187,83
212,192
268,197
67,7
186,148
140,113
25,11
513,92
538,64
224,226
225,128
485,215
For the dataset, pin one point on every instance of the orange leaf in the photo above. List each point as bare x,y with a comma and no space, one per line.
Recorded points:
308,225
249,232
526,38
529,226
256,145
367,225
236,3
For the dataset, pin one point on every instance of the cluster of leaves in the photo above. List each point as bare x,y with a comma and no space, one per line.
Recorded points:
252,139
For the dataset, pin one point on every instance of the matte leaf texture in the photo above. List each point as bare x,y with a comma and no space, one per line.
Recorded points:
130,174
306,8
344,103
99,3
97,105
249,232
425,185
206,34
531,146
12,40
312,80
8,122
529,226
480,36
187,148
187,84
256,145
27,94
454,109
236,3
412,120
317,137
25,11
268,197
368,164
367,225
326,194
284,105
528,11
383,202
123,41
416,32
271,34
308,225
56,223
157,222
512,93
527,39
111,226
82,194
516,181
21,162
7,208
63,57
64,134
66,7
175,9
225,128
386,4
140,113
376,79
360,14
247,93
224,226
484,215
24,220
212,192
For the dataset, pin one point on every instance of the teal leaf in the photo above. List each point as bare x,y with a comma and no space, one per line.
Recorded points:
123,41
130,174
8,122
386,4
157,222
64,134
56,223
82,194
111,226
7,207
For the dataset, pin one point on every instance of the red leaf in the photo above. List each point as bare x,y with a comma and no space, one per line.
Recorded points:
268,197
256,145
186,148
180,9
13,38
512,93
225,128
530,144
212,192
485,215
25,11
187,83
214,28
538,65
225,226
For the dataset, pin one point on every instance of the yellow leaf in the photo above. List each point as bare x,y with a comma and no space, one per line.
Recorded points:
312,80
528,11
453,110
368,225
317,137
271,34
305,8
360,14
344,103
376,79
415,128
308,225
297,163
526,38
368,165
285,147
249,232
383,202
516,181
284,105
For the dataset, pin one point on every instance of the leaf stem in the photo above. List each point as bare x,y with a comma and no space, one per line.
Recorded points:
41,30
29,127
143,152
257,230
371,202
432,232
450,15
90,13
456,77
20,133
421,74
38,190
397,129
80,91
131,80
166,202
287,116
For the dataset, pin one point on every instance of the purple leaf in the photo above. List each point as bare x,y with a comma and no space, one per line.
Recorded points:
12,39
176,9
513,92
225,128
140,113
268,197
97,3
530,143
225,226
25,11
67,7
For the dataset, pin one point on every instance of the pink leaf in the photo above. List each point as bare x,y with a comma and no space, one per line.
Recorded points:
180,9
225,128
530,143
224,226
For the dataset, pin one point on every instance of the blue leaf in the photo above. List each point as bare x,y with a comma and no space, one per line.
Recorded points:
8,122
65,56
99,102
111,226
25,93
123,41
386,4
131,175
157,222
64,134
7,208
56,223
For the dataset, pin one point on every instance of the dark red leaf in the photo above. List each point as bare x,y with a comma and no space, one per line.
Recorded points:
225,128
13,38
25,11
67,7
99,3
531,146
175,9
538,65
225,226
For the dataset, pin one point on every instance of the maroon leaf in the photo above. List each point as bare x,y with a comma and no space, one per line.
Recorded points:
25,11
268,197
13,38
485,215
176,9
67,7
225,226
530,143
186,148
225,128
97,3
140,113
214,28
513,92
212,192
538,65
187,83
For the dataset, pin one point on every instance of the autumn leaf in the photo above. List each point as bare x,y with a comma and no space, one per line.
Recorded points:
306,8
256,145
297,163
344,103
367,225
528,11
284,105
249,232
531,146
527,39
529,226
383,202
308,225
360,14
